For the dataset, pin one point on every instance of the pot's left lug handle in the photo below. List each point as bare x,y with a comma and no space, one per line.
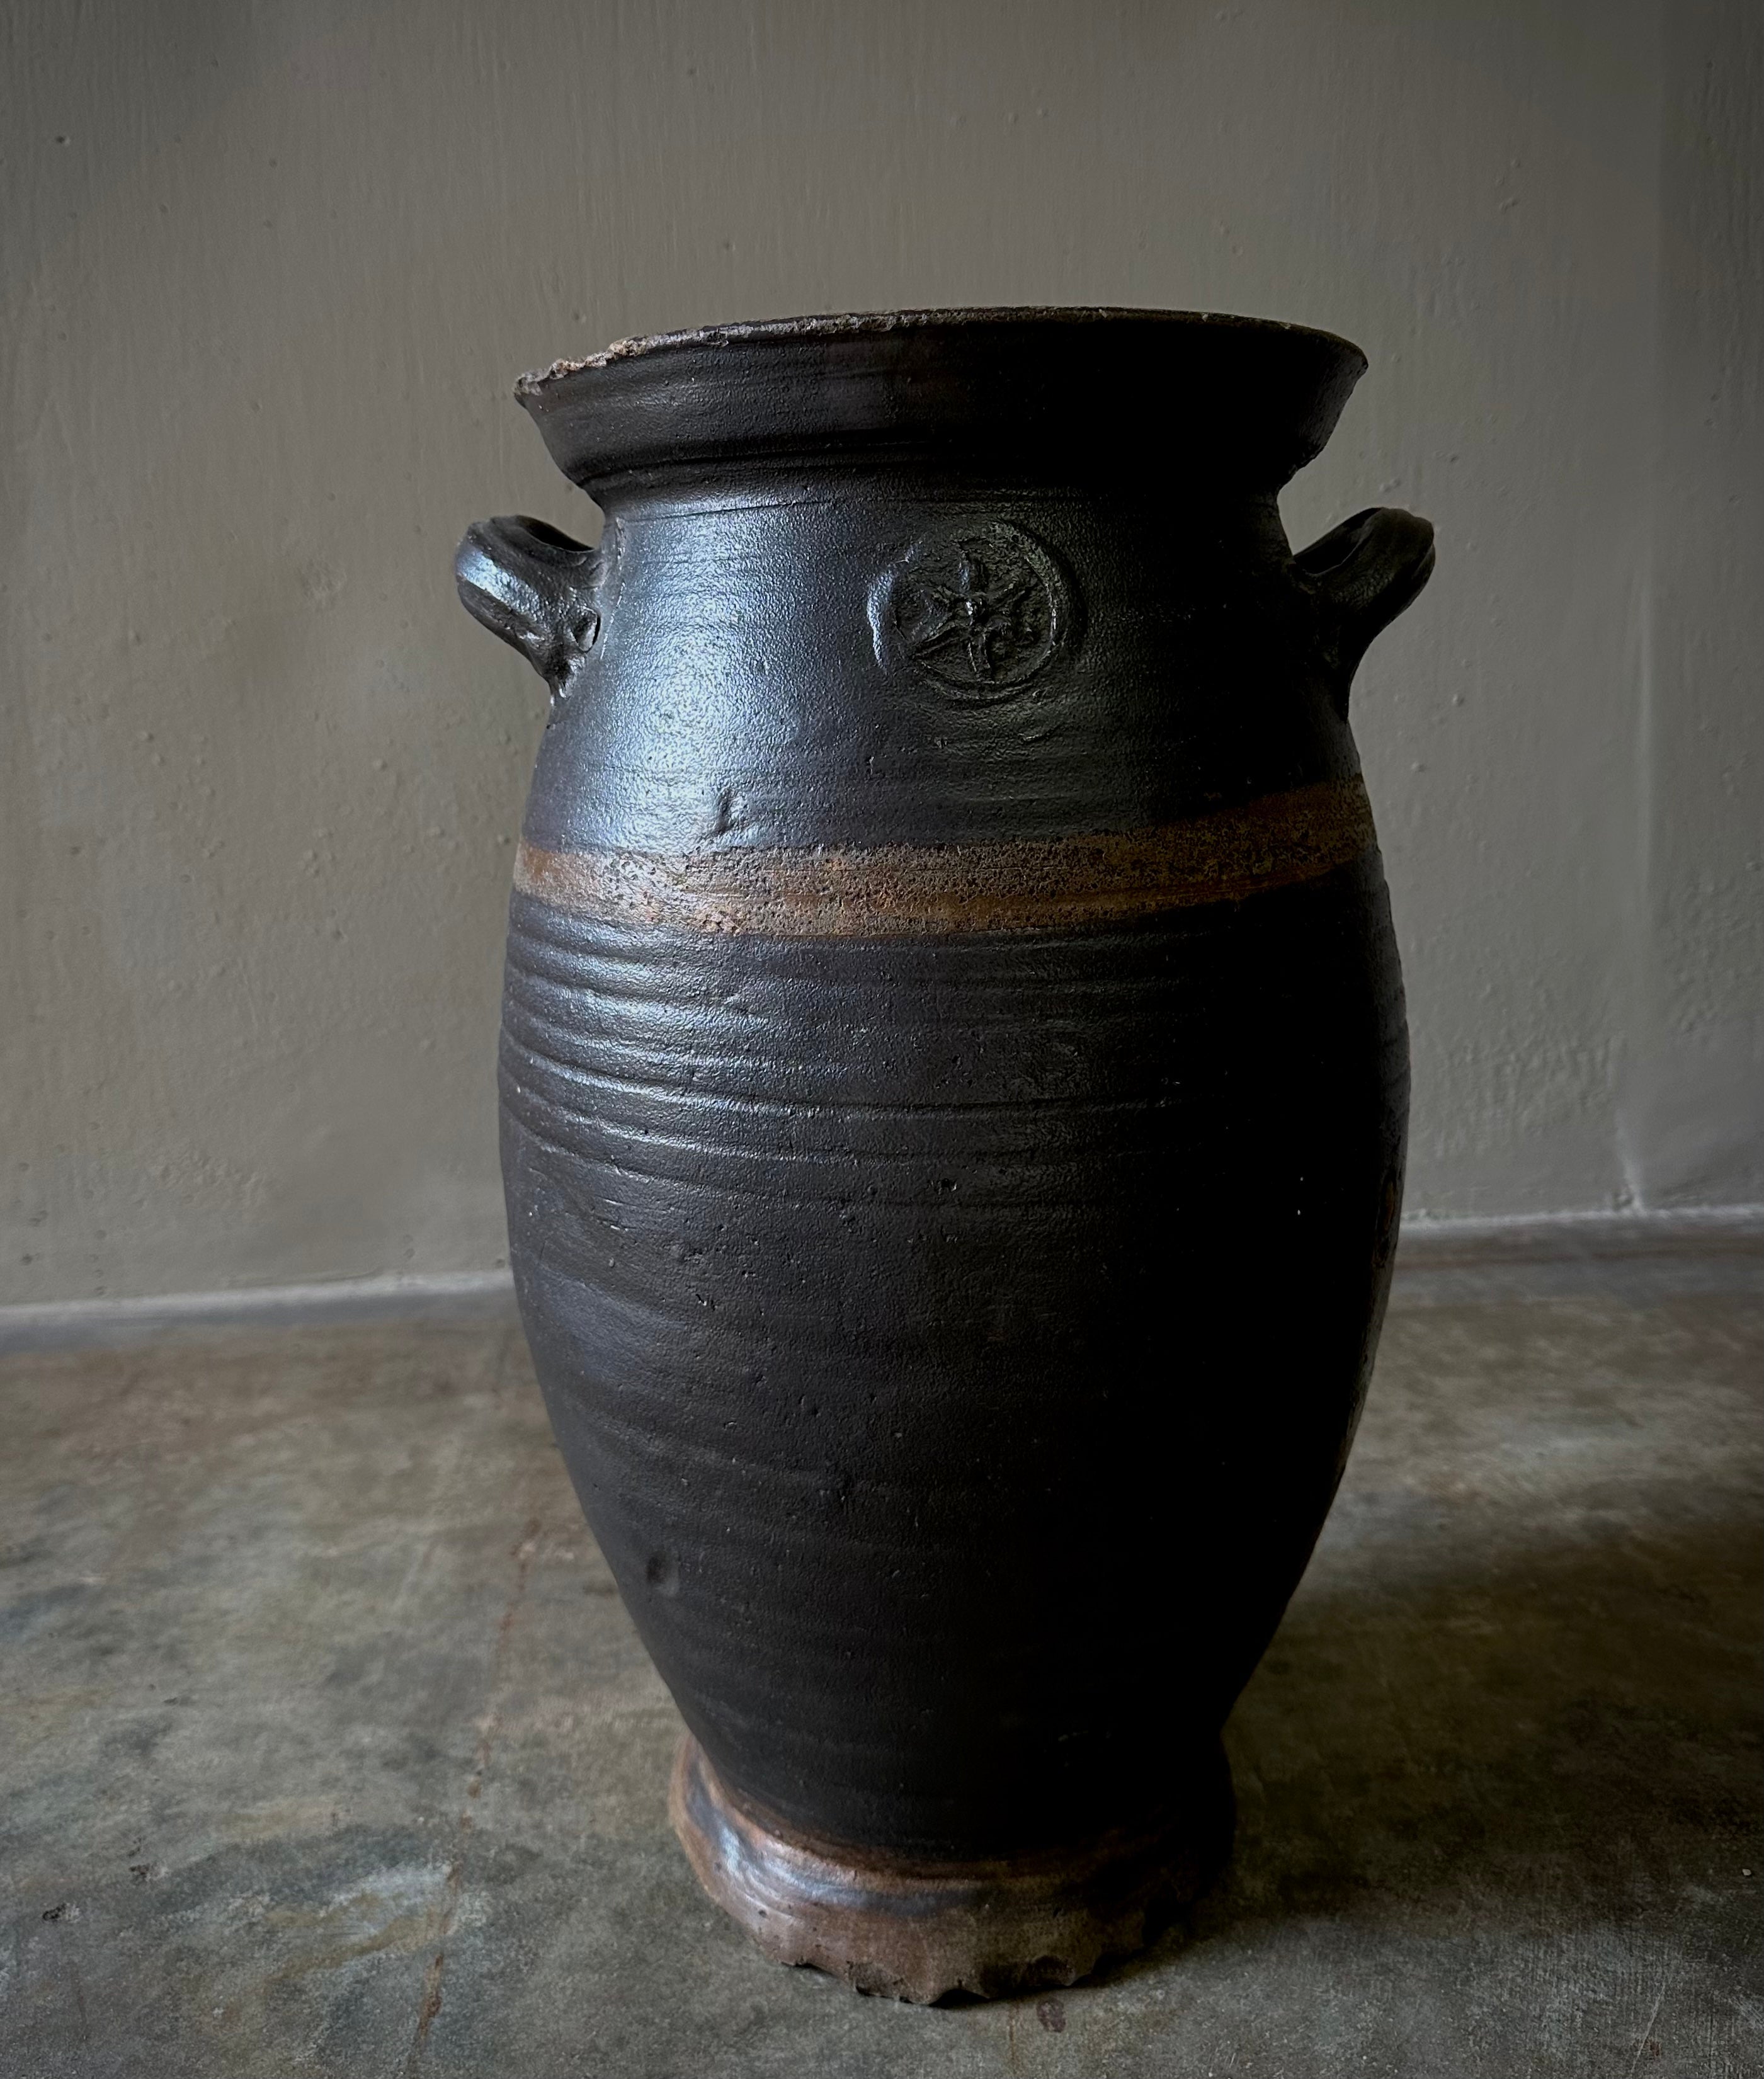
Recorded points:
1362,575
533,587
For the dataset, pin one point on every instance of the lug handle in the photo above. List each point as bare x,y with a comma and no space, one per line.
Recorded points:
531,585
1362,575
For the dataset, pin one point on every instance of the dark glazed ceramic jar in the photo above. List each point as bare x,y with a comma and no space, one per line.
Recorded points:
954,1079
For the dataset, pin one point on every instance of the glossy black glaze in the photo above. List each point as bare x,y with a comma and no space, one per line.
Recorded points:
955,1337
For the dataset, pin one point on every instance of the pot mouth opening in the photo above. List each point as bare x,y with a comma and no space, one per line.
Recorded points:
857,323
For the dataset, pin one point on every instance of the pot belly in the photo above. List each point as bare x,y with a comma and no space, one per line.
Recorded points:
954,1338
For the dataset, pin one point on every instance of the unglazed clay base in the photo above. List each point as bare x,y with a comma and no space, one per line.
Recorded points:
918,1931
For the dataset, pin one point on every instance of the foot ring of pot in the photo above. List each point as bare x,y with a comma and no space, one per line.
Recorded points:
917,1930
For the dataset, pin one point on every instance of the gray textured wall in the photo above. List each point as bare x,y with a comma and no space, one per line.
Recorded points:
269,272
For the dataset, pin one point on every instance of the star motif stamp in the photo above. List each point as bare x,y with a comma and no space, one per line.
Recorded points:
981,613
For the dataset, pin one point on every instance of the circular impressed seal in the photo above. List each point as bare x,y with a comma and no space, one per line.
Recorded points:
981,613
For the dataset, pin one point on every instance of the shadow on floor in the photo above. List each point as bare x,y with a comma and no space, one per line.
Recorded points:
1569,1734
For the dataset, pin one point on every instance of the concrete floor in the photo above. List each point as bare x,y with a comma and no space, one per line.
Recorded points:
327,1747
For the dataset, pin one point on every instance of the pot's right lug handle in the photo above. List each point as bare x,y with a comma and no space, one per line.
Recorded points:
533,587
1362,575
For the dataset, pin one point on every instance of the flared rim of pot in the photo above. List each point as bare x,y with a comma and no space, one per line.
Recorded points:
844,325
1024,392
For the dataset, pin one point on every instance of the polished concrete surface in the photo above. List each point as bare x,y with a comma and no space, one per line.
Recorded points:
326,1747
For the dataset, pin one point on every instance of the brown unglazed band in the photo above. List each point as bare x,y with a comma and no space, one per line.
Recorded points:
916,1931
900,891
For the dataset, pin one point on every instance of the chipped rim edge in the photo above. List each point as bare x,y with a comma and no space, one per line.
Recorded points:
846,324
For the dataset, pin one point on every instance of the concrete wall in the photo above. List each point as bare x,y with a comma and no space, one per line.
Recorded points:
268,273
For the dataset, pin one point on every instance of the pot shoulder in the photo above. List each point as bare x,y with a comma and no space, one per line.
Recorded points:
828,660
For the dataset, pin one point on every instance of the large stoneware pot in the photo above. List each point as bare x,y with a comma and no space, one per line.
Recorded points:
953,1081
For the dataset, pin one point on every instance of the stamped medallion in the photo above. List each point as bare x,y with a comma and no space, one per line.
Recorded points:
981,613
